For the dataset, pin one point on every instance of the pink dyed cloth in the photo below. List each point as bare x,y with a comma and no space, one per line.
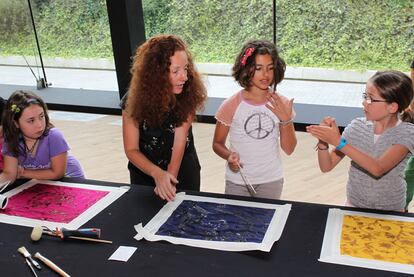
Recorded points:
52,203
1,154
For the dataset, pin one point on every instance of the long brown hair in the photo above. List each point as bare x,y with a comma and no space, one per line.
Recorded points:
15,105
150,94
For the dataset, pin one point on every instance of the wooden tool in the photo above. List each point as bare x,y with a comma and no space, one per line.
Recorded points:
51,265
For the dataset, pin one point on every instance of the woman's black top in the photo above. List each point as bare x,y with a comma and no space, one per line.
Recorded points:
156,143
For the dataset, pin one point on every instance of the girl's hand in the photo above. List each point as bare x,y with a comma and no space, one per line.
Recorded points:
282,109
234,161
165,185
326,121
20,172
328,132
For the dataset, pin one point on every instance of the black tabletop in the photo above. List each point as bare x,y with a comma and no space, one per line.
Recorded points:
295,254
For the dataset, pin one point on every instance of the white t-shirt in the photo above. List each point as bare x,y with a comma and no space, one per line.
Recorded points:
254,134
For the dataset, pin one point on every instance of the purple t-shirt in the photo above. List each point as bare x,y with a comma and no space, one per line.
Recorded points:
49,146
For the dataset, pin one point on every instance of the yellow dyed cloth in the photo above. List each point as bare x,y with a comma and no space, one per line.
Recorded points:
378,239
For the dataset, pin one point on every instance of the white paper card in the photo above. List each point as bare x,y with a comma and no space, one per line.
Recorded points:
123,253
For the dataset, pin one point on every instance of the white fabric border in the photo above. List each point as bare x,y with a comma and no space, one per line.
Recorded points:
114,193
273,232
330,252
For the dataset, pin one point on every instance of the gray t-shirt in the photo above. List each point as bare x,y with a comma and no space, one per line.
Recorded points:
387,192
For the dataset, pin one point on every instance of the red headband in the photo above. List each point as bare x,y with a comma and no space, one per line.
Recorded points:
248,53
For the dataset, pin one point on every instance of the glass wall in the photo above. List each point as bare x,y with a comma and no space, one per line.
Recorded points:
19,58
345,34
215,30
74,41
339,34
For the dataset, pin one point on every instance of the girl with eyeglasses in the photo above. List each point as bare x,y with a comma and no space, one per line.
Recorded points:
379,144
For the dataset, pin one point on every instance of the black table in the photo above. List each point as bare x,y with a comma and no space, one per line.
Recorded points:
295,254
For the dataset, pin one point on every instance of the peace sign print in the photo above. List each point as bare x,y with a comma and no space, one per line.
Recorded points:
259,125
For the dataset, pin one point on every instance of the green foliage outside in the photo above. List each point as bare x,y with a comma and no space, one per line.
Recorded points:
76,28
360,34
344,34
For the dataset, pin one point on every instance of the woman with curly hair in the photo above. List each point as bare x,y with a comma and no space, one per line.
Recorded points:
164,94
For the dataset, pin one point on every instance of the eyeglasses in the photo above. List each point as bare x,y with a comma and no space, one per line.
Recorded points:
369,100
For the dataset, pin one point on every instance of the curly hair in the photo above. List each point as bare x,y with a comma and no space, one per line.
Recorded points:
13,110
395,86
244,65
150,94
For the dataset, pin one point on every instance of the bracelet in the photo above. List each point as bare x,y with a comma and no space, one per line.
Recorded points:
284,123
341,144
323,149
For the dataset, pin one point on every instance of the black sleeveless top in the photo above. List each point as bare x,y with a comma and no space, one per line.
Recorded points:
156,143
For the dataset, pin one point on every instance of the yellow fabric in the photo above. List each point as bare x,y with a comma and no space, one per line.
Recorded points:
378,239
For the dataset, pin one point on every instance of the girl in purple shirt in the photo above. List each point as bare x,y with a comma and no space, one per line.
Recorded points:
33,148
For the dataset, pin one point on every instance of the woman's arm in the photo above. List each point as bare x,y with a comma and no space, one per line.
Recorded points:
163,180
180,141
56,171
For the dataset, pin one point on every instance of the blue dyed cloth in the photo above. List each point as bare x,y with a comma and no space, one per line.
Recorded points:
217,222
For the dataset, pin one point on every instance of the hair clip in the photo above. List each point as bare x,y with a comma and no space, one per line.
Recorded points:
248,53
15,109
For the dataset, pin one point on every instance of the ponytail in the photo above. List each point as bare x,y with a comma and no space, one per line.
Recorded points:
408,115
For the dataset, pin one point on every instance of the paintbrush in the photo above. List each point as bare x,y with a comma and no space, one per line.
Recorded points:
31,267
22,250
50,264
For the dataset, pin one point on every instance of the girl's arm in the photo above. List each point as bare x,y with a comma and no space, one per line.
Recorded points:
163,180
180,141
287,138
382,164
375,166
56,171
220,148
283,109
10,169
328,160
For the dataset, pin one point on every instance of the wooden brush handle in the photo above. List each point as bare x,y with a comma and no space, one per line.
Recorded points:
51,265
90,239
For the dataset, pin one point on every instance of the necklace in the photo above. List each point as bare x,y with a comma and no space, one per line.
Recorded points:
31,149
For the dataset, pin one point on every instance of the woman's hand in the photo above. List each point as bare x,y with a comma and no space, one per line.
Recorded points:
165,185
280,107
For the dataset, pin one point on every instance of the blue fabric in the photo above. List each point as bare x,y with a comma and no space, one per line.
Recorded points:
217,222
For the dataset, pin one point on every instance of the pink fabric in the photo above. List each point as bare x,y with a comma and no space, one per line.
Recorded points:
1,155
227,109
52,203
